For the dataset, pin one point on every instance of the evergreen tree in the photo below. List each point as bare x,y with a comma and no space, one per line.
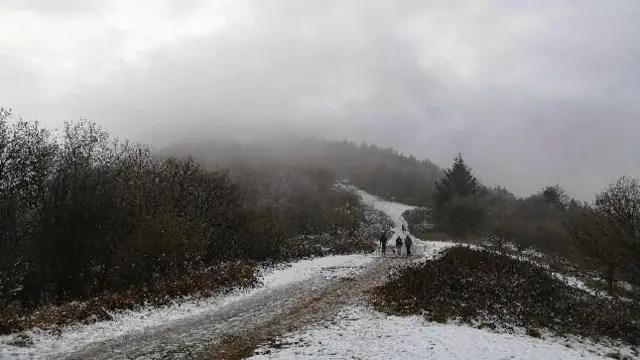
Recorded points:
458,181
458,200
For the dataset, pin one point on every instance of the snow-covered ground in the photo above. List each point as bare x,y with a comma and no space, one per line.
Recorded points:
392,209
47,344
433,249
337,266
362,333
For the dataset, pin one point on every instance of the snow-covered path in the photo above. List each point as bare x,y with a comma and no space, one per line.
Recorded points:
392,209
193,328
191,336
150,322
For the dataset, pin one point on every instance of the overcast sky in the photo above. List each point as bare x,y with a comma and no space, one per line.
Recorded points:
532,92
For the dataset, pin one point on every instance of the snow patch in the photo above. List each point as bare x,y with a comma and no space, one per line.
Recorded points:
574,282
329,266
533,253
432,250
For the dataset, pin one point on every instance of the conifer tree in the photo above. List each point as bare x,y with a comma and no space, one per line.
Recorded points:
457,200
458,181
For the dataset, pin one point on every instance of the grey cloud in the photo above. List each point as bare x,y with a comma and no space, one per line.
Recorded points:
20,87
57,7
533,93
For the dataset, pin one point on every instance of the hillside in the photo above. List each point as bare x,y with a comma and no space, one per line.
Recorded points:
111,240
380,171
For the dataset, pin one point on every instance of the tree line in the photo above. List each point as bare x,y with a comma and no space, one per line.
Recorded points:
603,235
83,214
381,171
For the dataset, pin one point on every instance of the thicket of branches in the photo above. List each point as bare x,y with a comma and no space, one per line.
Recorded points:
604,235
609,230
84,215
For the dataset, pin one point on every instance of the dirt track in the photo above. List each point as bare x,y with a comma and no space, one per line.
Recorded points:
232,331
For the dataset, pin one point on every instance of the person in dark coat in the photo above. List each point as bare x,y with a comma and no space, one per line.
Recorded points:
408,242
383,243
399,245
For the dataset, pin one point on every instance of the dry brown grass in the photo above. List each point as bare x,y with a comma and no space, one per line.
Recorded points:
204,283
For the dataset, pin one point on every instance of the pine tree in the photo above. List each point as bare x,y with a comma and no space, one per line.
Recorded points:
457,200
457,181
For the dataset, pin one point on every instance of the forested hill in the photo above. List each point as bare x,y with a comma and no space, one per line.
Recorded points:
381,171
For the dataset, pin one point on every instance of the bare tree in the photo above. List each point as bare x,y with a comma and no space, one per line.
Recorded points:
609,229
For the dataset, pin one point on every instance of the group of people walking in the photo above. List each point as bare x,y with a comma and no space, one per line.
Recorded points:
408,242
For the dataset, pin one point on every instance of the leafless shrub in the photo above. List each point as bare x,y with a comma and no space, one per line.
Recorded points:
85,216
609,230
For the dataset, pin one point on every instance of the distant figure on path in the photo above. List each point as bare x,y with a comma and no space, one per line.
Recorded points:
404,229
399,245
408,242
383,243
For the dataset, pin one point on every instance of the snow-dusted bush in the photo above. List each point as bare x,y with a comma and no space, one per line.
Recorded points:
487,289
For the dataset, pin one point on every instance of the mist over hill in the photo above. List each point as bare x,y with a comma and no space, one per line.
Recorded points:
381,171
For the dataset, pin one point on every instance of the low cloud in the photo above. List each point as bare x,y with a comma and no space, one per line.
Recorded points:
533,93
